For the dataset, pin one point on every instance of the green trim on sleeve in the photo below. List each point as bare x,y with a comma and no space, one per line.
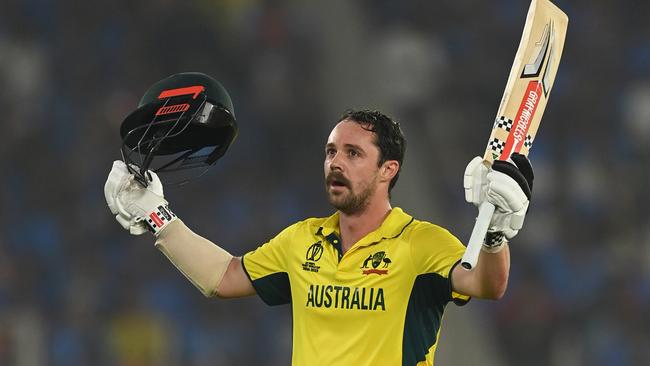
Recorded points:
423,316
273,289
245,270
459,301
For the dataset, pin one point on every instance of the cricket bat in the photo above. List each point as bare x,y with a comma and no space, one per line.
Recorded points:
523,102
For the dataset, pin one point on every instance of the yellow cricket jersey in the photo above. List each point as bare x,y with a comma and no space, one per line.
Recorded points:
380,303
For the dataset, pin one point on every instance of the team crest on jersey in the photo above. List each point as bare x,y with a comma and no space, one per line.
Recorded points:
376,263
313,255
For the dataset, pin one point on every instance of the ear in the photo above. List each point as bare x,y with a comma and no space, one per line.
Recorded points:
388,170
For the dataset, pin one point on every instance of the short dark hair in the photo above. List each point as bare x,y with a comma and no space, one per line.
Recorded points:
389,136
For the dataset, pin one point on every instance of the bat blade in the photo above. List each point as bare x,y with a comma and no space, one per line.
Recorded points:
530,82
524,100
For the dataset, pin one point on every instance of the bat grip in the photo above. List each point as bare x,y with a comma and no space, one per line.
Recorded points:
470,258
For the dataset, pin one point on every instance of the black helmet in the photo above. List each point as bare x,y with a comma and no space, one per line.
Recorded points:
187,117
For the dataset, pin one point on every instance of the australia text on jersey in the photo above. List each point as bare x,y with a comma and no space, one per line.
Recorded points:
344,297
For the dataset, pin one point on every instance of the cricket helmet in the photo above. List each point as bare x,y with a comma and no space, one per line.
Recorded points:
182,122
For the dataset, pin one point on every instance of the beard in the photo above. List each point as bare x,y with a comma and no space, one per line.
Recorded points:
349,202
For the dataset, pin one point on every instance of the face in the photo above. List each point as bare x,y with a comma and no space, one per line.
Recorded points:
351,171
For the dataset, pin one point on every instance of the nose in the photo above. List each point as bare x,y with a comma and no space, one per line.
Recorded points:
335,162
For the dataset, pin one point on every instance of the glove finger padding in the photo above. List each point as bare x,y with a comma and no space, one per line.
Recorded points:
517,219
518,168
525,167
138,228
510,202
504,193
116,179
125,222
133,225
126,195
155,185
474,181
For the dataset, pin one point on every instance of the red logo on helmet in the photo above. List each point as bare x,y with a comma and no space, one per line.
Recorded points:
196,90
176,108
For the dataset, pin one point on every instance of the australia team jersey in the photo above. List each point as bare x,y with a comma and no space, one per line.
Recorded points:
380,303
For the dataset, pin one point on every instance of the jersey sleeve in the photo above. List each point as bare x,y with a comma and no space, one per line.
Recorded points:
267,270
435,250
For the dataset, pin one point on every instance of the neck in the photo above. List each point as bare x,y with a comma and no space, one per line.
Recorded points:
355,226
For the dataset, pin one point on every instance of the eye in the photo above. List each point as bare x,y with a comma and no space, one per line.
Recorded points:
353,153
330,151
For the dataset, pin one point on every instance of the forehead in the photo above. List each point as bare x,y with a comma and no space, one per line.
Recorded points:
350,132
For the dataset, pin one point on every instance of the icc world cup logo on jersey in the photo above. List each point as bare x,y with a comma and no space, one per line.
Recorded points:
314,253
377,261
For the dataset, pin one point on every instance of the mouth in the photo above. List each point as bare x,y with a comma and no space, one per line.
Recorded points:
337,182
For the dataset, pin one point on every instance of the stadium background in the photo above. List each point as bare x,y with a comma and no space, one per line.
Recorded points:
75,289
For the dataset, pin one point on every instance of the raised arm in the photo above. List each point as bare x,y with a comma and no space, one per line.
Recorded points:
487,280
508,186
214,271
209,267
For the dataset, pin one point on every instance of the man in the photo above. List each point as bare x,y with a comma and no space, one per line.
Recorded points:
367,285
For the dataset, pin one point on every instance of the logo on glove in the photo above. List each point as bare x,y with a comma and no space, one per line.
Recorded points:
157,219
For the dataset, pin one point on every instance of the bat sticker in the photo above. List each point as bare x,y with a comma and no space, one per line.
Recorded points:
528,142
497,147
543,47
533,67
503,122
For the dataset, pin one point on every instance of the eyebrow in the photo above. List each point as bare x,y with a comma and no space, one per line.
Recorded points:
347,146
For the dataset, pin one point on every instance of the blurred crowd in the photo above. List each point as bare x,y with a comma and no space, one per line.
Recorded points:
75,289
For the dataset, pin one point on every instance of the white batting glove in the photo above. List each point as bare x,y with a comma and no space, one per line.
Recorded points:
136,208
510,202
475,181
506,185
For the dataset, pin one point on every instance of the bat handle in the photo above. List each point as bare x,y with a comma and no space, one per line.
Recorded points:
485,211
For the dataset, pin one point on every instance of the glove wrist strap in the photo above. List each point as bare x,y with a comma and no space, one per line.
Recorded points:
159,218
494,241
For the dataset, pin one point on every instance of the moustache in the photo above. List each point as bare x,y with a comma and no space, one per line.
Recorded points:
338,178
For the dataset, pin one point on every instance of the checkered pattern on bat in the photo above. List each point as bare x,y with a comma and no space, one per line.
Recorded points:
528,142
503,123
497,145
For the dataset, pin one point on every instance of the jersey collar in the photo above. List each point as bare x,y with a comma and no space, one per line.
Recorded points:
392,226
